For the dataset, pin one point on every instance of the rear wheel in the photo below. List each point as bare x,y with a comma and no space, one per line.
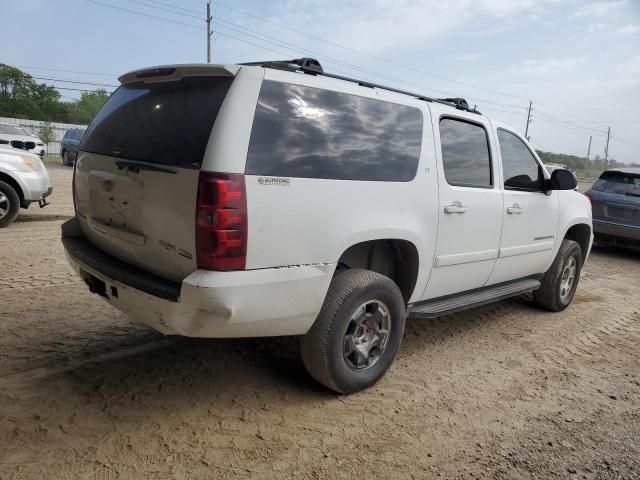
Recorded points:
561,280
357,333
9,204
67,158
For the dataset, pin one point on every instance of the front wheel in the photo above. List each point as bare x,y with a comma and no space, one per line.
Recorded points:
561,280
357,333
9,204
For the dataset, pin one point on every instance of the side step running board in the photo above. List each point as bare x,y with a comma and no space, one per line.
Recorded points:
438,307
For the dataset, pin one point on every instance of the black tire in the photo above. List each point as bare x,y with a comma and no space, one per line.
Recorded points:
66,158
323,347
9,203
550,295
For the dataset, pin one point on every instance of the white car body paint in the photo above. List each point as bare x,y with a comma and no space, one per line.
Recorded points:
39,149
33,181
298,228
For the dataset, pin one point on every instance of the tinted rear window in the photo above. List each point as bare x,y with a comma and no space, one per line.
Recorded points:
165,122
313,133
465,153
618,182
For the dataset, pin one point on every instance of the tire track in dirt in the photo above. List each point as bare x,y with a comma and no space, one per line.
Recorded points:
26,282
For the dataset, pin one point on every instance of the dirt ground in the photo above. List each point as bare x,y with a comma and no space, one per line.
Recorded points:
503,391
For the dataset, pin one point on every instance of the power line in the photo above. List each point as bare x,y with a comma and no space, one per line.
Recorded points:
166,10
145,14
265,20
61,80
225,24
66,71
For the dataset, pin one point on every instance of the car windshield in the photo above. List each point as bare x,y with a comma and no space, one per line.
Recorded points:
12,130
618,182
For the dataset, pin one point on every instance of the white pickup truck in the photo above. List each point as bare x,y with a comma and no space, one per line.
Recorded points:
277,199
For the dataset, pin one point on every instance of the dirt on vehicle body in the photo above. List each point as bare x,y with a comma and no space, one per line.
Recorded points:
503,391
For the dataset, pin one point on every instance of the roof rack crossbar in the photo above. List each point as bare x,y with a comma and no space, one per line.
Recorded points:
312,66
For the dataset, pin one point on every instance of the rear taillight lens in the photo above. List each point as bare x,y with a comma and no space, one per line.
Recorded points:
221,221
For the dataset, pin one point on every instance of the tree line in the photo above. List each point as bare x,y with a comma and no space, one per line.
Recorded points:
22,97
575,163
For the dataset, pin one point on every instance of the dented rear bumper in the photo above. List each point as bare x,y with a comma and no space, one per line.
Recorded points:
249,303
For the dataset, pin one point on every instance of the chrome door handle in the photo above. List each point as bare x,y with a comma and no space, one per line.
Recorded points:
515,208
455,207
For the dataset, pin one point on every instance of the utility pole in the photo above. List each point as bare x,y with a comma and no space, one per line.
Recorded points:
209,32
589,149
526,132
606,150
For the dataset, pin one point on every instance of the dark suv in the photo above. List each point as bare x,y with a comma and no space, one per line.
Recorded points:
615,198
70,143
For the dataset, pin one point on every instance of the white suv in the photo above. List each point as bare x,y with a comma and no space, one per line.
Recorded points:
17,137
277,199
23,180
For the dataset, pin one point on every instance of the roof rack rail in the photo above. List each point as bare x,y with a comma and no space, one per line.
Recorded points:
312,66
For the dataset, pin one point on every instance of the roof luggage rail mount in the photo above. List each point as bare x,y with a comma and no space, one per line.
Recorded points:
312,66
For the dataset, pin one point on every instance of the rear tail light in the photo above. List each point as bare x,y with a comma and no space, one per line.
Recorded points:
221,221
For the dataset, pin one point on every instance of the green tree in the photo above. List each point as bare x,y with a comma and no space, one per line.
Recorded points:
46,133
22,97
85,109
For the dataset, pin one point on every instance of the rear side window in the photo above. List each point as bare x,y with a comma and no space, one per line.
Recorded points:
618,182
313,133
163,122
520,168
465,153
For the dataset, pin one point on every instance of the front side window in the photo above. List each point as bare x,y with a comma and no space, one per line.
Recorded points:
521,170
309,132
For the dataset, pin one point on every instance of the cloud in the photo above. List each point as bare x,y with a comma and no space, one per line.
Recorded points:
630,67
377,26
599,9
629,29
628,73
597,27
547,67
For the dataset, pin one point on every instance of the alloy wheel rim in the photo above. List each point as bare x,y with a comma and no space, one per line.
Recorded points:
4,205
367,335
568,277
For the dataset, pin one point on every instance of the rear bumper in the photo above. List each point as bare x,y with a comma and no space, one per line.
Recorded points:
251,303
616,230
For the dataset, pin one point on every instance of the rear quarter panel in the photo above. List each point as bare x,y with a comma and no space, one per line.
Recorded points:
313,221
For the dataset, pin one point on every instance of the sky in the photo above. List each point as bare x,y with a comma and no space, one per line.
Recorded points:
578,61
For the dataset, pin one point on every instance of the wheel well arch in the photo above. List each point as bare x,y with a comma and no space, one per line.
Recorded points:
580,233
8,179
394,258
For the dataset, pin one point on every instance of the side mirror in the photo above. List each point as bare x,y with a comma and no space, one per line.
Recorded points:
562,179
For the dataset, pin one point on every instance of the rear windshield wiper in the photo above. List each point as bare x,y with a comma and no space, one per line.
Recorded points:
135,167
